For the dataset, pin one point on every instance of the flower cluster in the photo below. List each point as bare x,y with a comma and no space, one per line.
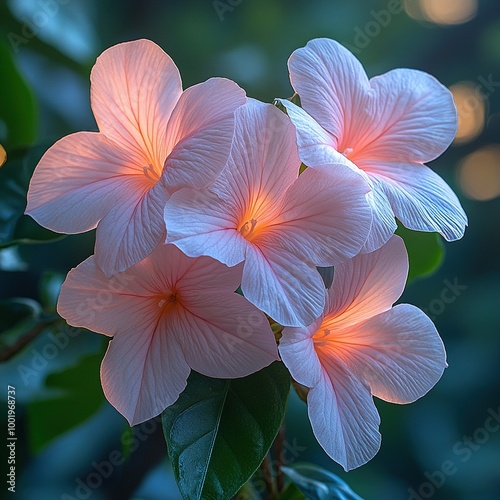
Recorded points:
214,211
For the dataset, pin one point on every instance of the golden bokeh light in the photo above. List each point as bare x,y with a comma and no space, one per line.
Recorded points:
413,9
442,11
471,108
479,173
3,155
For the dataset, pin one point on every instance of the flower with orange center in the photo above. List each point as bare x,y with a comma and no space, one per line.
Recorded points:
384,128
281,225
154,138
361,347
167,314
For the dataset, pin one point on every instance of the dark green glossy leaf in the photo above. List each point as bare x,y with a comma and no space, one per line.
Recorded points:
79,396
425,252
219,431
15,227
17,106
319,484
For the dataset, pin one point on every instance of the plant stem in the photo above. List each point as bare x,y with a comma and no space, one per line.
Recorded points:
267,475
10,351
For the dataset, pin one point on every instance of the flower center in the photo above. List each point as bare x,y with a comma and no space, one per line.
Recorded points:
167,300
247,228
151,173
322,337
347,152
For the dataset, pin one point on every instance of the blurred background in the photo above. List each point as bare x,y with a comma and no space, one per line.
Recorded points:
445,446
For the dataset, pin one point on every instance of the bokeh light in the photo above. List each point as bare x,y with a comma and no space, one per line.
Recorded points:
442,11
471,110
3,155
479,173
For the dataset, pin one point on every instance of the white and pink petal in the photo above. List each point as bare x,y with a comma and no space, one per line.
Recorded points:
222,335
134,88
367,285
343,415
80,179
287,288
325,215
415,117
144,371
398,353
199,133
88,299
420,198
332,86
297,352
383,222
201,223
264,160
316,146
131,230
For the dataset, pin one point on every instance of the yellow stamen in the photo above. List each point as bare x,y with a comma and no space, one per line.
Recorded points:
322,340
151,173
247,228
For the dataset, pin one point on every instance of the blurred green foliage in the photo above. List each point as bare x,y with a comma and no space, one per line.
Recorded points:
17,107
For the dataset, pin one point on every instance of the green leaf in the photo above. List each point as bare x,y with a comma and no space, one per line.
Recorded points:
319,484
79,397
219,431
17,106
425,252
15,227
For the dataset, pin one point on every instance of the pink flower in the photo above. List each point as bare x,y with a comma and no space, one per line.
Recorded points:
388,127
153,139
280,224
360,347
167,315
